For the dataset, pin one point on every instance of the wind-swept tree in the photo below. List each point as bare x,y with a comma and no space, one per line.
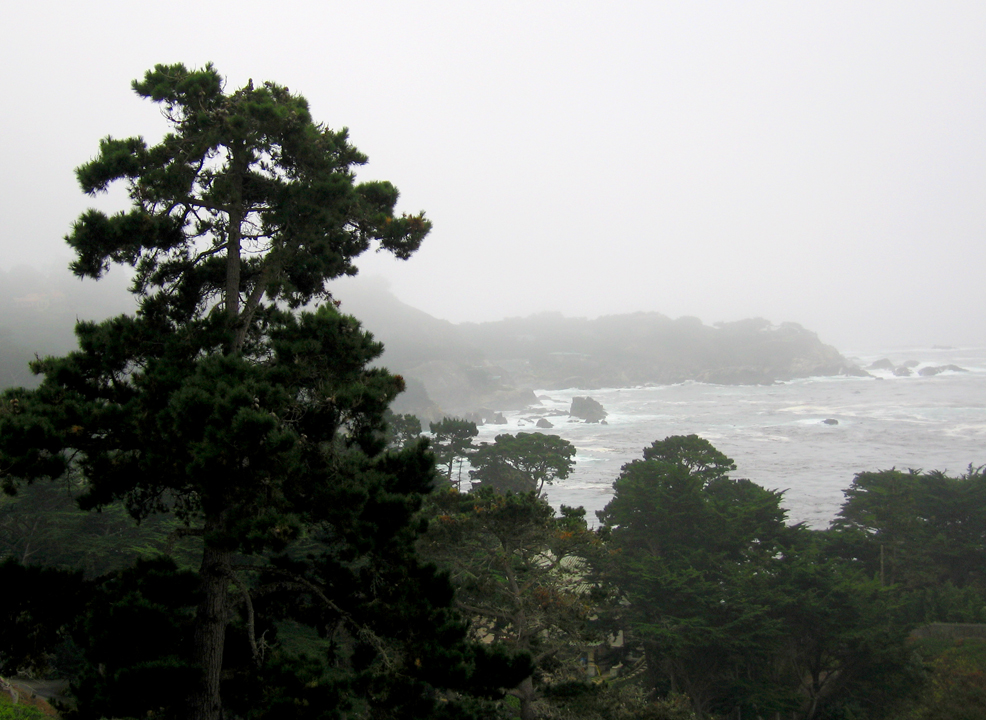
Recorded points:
257,426
452,438
523,462
402,429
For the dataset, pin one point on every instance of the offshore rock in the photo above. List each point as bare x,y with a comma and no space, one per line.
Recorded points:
587,409
938,369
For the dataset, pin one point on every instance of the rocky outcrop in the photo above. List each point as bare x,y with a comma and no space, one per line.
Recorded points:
939,369
587,409
554,352
543,423
493,365
459,388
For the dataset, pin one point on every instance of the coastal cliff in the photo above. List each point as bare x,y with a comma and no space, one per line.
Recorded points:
465,367
469,368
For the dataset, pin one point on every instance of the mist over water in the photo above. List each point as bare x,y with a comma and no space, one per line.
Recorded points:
818,163
776,434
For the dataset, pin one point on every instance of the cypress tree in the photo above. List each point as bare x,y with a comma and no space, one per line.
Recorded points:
255,423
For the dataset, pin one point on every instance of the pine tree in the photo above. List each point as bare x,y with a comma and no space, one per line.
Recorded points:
523,462
695,552
257,425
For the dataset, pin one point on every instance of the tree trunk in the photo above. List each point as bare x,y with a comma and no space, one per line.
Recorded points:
525,690
210,631
525,693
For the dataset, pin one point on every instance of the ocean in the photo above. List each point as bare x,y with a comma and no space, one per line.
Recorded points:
776,434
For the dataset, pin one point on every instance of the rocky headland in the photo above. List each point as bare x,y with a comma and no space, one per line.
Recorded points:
478,369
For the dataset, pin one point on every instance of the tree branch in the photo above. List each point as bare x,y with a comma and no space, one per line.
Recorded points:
251,624
484,613
361,630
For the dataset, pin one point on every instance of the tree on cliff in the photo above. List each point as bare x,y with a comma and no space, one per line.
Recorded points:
452,439
255,425
523,462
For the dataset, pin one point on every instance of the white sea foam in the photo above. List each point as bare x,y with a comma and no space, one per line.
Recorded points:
775,433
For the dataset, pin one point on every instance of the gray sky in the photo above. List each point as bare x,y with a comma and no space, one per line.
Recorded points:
819,162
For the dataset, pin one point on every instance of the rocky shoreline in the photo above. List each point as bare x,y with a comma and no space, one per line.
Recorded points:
476,370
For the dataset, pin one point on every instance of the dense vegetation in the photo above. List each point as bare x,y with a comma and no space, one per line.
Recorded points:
693,598
212,513
255,428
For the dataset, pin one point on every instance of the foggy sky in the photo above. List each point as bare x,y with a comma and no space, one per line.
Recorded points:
821,162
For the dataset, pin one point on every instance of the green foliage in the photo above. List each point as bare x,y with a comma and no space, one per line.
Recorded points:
693,453
137,640
523,462
9,711
402,429
942,603
250,166
257,427
695,552
519,572
734,608
841,646
678,502
43,525
917,529
452,440
610,701
956,688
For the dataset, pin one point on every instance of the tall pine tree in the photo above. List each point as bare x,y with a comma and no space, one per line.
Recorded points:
258,425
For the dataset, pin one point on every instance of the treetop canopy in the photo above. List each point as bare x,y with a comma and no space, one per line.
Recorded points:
246,172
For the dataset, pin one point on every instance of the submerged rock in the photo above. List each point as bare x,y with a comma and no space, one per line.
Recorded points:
830,421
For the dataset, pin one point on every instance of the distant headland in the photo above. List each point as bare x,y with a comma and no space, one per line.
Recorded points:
456,369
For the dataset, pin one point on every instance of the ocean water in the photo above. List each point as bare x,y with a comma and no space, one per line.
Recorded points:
776,434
